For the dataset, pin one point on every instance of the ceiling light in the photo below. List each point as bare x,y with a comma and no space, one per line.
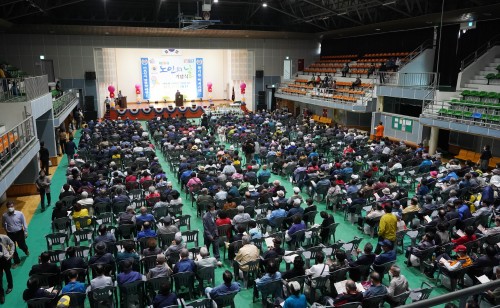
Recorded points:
216,1
264,4
378,29
42,57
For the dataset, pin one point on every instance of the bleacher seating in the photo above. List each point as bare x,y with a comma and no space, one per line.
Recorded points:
474,157
481,107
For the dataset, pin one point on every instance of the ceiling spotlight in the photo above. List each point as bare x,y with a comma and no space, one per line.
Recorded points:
216,1
378,29
264,4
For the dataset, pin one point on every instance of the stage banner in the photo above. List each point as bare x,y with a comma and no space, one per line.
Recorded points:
165,75
145,78
199,77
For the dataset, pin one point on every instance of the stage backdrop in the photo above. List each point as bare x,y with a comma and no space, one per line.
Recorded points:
161,72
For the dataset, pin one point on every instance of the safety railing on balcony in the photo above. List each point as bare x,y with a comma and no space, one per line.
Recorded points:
463,113
23,88
61,103
359,95
16,142
494,41
415,53
408,80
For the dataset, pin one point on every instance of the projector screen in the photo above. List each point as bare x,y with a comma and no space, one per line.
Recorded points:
161,72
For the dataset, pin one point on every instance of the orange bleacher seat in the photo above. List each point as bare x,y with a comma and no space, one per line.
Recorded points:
462,154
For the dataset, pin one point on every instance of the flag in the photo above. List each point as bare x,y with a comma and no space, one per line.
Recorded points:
233,96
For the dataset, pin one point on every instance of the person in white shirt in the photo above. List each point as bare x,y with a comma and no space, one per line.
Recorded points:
85,201
398,284
319,269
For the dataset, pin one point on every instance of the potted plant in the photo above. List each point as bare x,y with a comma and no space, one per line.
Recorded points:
491,76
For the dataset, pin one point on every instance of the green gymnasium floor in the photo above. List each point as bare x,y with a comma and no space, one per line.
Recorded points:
40,225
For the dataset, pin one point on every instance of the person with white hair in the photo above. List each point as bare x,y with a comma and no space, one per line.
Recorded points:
247,253
205,260
85,200
397,286
241,217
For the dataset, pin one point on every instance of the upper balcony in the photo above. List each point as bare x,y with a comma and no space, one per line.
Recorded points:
64,104
407,85
18,146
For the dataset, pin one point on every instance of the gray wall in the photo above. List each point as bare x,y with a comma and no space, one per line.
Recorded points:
417,134
73,55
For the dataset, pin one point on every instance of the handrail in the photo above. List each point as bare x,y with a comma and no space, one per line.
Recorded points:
459,294
23,88
411,80
495,40
61,103
14,141
416,52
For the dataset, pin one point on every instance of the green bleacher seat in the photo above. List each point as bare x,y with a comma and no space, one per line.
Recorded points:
465,93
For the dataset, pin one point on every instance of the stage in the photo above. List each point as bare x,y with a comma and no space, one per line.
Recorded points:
148,111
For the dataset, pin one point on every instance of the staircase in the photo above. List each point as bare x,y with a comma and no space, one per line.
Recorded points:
480,78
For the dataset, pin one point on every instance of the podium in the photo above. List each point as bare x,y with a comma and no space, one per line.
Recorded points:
179,100
122,102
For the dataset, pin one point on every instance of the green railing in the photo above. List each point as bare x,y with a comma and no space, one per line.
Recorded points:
61,103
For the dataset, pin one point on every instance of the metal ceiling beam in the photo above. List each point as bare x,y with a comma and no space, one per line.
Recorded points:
158,8
334,12
395,9
296,17
12,2
46,9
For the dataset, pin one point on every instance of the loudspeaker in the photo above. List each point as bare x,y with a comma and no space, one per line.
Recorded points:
90,115
90,76
89,103
261,97
259,74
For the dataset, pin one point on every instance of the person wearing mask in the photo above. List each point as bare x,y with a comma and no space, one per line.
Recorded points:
43,185
16,227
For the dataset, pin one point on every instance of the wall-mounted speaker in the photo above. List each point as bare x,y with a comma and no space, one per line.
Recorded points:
90,76
259,74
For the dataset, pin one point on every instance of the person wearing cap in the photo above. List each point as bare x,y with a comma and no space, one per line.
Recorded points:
387,227
388,255
296,195
386,195
101,256
449,265
161,269
166,227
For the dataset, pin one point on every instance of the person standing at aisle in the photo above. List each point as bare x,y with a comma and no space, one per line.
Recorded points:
210,232
63,139
15,225
43,186
7,249
379,131
71,148
44,157
484,159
